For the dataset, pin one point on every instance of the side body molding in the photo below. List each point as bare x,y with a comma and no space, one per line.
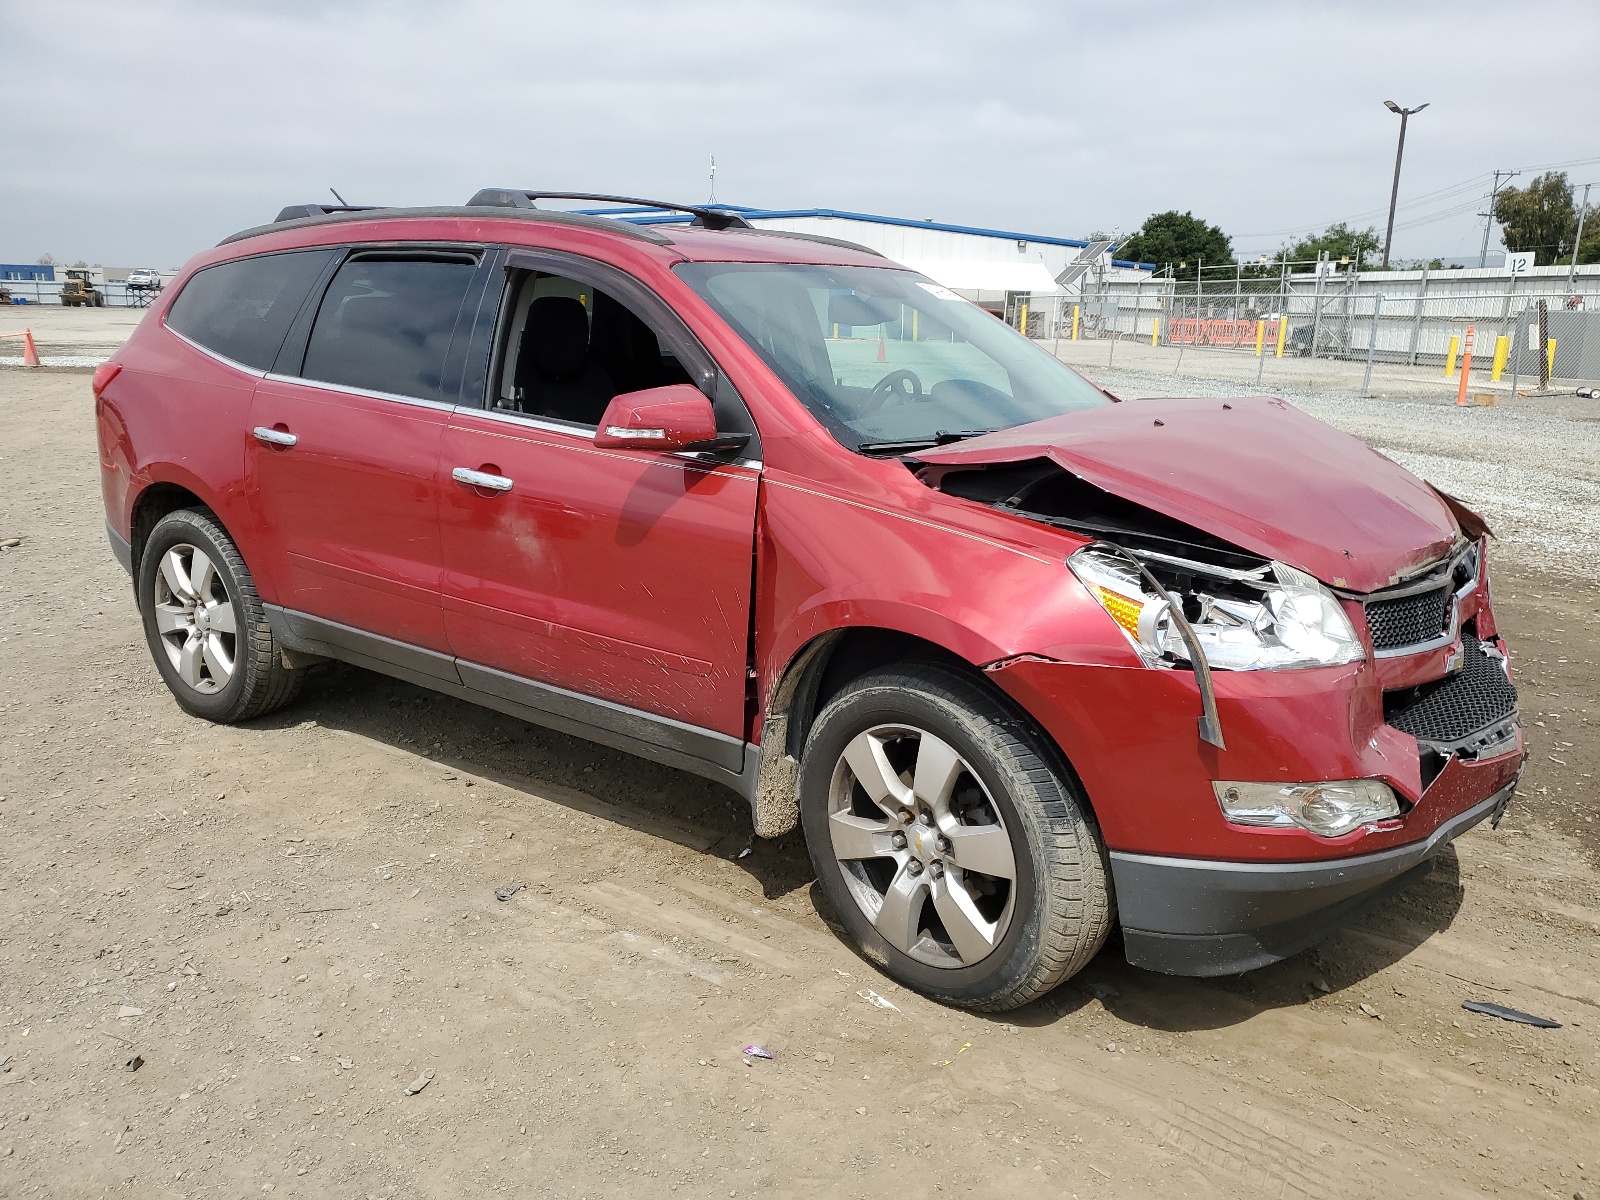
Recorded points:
703,752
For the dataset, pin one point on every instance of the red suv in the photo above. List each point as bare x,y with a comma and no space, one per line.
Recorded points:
1025,662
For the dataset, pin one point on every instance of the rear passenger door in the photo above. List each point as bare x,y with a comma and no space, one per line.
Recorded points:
623,576
344,451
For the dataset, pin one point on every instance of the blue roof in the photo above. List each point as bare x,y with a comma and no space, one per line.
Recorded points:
644,215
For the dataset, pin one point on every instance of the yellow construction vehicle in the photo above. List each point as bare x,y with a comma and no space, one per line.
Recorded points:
79,290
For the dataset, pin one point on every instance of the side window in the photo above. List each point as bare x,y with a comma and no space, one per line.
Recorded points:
569,348
386,321
242,309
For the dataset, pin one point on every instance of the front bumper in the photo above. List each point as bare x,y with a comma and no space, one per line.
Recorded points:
1204,917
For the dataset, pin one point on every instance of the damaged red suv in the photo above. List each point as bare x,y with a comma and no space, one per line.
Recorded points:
1024,662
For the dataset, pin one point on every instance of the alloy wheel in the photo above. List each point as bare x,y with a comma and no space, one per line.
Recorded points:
922,846
195,618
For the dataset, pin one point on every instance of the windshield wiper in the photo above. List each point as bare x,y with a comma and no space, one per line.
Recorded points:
941,437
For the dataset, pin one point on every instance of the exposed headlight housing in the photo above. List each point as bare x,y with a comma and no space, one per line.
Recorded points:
1271,618
1325,809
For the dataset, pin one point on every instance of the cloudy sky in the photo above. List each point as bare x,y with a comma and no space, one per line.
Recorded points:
138,133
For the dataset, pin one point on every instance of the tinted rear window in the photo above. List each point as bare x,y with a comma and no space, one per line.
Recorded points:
385,324
242,309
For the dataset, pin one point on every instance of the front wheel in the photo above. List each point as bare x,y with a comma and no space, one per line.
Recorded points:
205,624
959,856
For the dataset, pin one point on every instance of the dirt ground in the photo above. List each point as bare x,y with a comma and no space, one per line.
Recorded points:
290,922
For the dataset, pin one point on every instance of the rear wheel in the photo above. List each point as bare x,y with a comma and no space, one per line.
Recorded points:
205,624
959,856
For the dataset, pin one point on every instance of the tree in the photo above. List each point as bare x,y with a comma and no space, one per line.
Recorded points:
47,260
1179,240
1339,240
1539,217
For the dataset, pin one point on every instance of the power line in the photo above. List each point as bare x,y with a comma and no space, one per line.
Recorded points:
1473,182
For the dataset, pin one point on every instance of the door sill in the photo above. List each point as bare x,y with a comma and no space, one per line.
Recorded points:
701,751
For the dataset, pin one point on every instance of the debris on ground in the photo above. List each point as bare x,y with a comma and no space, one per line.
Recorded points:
133,1063
1370,1011
872,997
128,1010
1509,1014
420,1082
510,890
756,1052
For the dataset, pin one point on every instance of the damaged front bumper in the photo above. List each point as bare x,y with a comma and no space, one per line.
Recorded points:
1186,916
1198,895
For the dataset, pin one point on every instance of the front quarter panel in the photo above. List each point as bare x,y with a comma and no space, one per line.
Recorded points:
830,560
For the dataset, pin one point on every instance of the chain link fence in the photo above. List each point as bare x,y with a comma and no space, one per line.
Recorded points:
1333,331
44,291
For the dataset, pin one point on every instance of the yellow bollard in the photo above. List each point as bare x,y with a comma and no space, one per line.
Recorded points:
1502,351
1261,336
1024,321
1283,331
1155,331
1550,357
1076,309
1450,358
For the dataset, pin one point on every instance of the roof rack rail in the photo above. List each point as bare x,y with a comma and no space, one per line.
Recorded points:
709,218
295,212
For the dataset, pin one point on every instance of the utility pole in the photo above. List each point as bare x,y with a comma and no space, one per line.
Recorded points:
1488,217
713,198
1405,115
1583,210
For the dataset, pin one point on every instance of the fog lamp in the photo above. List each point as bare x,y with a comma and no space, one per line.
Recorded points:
1325,809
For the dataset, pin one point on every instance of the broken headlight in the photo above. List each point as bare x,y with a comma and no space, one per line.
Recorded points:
1325,809
1271,618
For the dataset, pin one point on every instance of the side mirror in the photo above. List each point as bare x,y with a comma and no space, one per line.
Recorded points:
674,417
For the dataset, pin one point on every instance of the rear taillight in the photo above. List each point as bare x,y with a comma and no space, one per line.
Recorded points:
104,374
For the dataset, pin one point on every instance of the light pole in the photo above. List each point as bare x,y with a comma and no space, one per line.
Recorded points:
1394,192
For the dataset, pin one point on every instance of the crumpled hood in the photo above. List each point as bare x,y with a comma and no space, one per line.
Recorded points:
1255,471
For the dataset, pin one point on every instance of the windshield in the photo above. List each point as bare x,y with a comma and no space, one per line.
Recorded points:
886,357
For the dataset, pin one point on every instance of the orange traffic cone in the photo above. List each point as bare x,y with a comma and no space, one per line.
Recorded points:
30,352
882,357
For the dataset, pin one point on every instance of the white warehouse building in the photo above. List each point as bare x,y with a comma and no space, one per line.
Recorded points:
999,269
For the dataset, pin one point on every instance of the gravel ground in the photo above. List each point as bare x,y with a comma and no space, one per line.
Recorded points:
291,923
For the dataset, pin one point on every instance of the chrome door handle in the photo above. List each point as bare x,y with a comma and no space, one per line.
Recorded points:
273,437
481,479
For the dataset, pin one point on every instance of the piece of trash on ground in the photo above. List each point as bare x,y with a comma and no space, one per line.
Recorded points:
954,1056
1509,1014
872,997
420,1082
128,1010
758,1052
134,1063
510,890
1370,1011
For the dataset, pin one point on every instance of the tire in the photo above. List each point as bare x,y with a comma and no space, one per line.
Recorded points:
974,939
205,625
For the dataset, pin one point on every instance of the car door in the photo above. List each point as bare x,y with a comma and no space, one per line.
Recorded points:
345,446
622,577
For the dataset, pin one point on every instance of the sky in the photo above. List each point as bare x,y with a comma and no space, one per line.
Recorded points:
138,134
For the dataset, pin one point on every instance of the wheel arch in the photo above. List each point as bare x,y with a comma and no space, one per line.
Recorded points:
171,488
816,673
150,506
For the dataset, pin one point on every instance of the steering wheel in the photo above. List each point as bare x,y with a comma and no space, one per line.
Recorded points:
901,385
